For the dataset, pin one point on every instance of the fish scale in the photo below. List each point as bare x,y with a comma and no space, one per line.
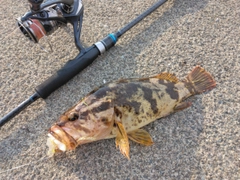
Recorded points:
120,108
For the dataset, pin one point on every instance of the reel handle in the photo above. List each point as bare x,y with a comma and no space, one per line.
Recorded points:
35,4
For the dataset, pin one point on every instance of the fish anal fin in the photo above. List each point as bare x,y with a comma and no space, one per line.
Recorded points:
167,76
141,136
122,140
182,105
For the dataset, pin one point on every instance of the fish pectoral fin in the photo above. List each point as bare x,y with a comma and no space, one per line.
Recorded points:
182,105
141,136
122,140
167,76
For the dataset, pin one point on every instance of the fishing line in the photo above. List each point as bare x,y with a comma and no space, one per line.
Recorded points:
10,34
21,166
45,38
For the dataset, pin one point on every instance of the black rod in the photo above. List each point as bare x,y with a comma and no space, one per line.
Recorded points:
19,108
140,17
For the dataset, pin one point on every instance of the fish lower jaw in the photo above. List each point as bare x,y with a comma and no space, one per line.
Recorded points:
54,144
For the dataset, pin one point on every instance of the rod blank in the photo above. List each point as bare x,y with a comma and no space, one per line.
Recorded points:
19,108
140,17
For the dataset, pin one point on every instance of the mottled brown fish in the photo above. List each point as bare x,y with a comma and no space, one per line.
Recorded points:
119,109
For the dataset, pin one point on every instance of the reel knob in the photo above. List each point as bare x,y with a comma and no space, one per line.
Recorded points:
35,4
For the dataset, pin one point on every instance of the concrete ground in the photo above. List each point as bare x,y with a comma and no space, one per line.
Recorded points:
201,142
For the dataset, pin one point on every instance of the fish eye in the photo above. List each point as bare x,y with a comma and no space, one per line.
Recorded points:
72,116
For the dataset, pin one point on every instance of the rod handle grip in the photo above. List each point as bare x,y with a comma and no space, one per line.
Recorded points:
67,72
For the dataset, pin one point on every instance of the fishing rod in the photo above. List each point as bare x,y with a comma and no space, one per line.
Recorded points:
43,19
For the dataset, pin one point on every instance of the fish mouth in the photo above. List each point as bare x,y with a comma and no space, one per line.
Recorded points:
59,140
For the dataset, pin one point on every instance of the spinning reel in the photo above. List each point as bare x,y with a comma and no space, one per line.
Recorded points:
45,17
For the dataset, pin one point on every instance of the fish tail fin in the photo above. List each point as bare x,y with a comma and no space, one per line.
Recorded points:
199,81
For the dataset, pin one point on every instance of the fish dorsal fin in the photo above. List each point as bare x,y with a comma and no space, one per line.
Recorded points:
109,84
141,136
122,140
167,76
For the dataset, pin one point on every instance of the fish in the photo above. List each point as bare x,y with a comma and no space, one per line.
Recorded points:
119,109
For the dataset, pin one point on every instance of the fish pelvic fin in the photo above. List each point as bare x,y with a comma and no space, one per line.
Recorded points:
122,140
199,81
167,76
141,136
